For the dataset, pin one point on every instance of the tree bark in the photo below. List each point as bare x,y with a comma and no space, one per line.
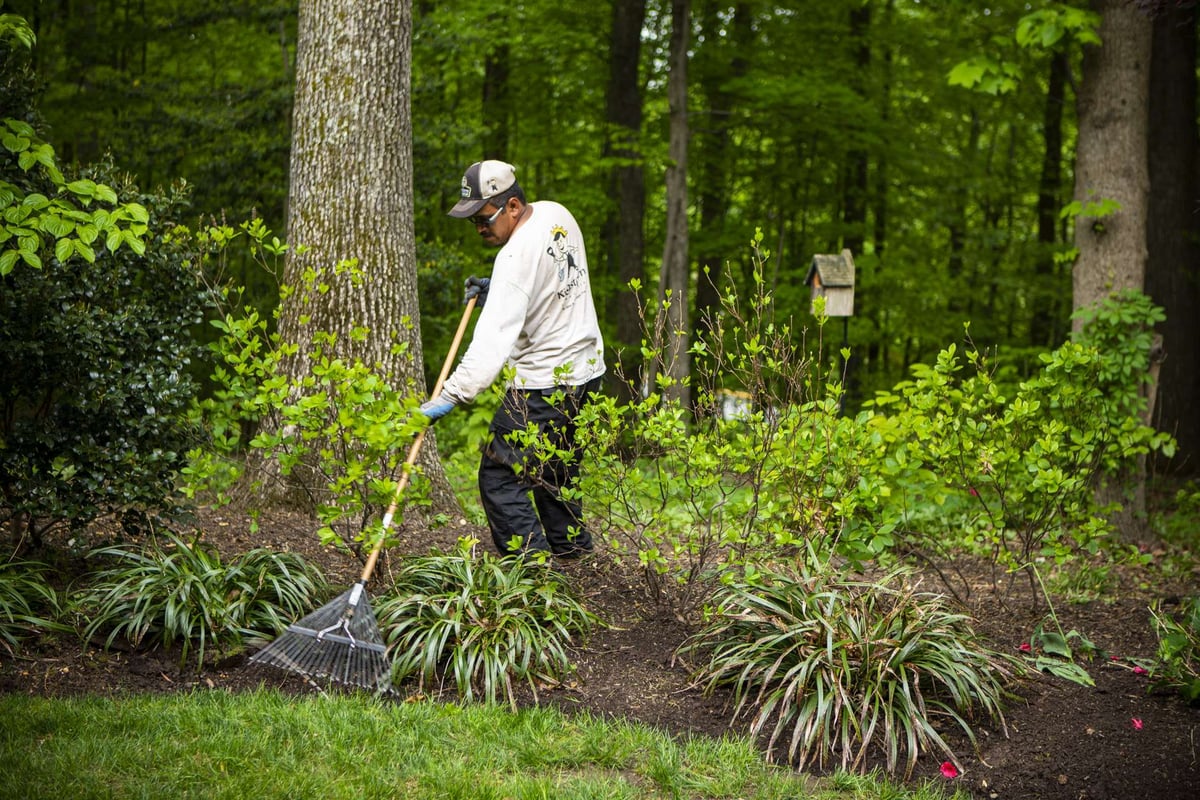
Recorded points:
1111,161
1044,328
1173,272
673,278
624,234
1112,164
351,196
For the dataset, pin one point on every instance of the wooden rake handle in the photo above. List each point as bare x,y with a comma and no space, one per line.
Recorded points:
415,449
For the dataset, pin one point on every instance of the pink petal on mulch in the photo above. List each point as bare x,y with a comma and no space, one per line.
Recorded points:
1140,671
949,770
1024,647
1137,724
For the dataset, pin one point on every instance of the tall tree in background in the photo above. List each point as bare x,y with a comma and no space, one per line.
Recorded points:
1173,276
351,192
1112,165
623,235
673,278
1111,162
728,42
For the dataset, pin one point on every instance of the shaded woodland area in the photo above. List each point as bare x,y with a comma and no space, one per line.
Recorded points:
936,141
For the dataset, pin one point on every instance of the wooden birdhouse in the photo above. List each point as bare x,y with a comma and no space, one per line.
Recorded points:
832,277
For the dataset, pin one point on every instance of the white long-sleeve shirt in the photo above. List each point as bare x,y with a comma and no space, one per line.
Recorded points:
539,316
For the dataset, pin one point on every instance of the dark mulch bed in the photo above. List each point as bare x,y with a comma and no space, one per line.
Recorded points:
1063,740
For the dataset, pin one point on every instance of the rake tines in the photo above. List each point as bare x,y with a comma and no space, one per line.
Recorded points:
339,641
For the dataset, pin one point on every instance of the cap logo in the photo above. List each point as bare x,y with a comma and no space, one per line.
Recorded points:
466,188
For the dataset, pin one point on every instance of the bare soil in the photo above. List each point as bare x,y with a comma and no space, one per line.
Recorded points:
1118,740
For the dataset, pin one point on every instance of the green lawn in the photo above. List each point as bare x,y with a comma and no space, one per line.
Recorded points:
266,745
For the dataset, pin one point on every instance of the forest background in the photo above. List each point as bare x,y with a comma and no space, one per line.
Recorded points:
935,141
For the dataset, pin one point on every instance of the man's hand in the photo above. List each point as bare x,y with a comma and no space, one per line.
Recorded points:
436,407
477,287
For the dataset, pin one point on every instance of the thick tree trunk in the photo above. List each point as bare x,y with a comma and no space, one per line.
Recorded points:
1173,273
623,231
1111,164
351,195
1111,161
673,279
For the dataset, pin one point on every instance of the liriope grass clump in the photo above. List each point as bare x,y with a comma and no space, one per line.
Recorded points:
481,624
28,603
833,668
176,591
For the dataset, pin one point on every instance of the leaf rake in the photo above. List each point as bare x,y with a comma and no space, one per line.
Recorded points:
341,639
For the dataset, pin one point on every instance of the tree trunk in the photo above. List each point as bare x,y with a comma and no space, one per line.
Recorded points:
1044,329
623,230
725,63
1111,161
351,195
1173,238
673,279
1111,164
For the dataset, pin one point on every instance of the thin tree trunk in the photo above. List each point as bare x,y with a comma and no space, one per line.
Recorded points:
624,235
1044,329
673,278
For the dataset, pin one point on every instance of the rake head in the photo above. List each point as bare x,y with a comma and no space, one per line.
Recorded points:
339,641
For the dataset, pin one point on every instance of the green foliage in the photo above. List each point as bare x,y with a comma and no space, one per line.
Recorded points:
835,668
1013,468
1178,648
43,213
176,591
1058,653
688,497
482,623
95,353
332,432
28,604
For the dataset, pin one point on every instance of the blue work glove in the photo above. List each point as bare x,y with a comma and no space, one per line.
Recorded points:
436,407
477,287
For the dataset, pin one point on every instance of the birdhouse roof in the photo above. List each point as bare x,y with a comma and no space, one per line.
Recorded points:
833,270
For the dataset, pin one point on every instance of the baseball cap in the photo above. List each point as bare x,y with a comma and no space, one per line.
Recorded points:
482,181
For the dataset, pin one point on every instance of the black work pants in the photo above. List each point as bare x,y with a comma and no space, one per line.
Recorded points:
524,470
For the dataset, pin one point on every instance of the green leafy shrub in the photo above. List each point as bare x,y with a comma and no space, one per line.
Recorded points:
28,604
693,492
834,668
329,435
1011,470
482,623
95,354
1178,648
179,591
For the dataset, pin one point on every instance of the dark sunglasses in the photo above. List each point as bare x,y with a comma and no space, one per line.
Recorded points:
482,220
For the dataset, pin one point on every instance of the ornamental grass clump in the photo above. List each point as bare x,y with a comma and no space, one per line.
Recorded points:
482,623
834,668
28,603
174,590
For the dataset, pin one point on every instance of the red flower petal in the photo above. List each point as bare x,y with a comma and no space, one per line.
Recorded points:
950,771
1137,726
1025,648
1140,671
